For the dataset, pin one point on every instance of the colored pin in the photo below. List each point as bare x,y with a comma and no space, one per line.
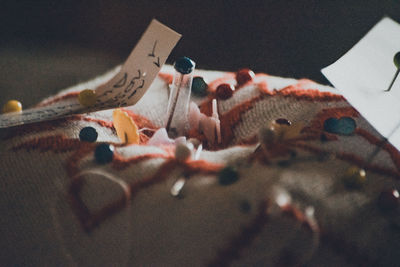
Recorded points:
178,185
396,61
126,128
88,134
361,171
178,103
215,117
12,106
87,98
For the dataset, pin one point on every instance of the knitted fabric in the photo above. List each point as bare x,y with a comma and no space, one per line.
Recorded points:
61,208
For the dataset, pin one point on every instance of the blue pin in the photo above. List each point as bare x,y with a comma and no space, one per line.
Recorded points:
104,153
342,126
178,103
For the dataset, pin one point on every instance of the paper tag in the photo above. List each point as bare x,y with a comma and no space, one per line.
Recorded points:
365,72
125,89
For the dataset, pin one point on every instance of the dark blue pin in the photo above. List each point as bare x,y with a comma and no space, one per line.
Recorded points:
199,86
228,176
342,126
88,134
104,153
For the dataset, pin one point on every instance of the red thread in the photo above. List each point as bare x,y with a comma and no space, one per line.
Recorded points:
228,77
199,136
233,117
121,163
51,125
91,220
141,121
296,91
238,243
102,123
249,141
350,158
72,164
206,106
294,213
166,77
201,166
33,128
60,144
230,119
55,143
263,88
287,257
310,95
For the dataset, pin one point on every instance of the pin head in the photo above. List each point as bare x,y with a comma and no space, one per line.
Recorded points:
342,126
225,91
184,65
354,177
396,60
244,75
126,128
87,98
199,86
12,106
88,134
267,135
104,153
228,176
283,121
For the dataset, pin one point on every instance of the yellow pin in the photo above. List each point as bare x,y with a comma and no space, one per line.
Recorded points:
284,132
126,128
354,177
12,106
87,98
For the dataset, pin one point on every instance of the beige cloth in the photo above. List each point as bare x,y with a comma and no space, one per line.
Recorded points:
243,224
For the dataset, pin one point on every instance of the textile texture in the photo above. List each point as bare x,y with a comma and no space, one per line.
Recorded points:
288,207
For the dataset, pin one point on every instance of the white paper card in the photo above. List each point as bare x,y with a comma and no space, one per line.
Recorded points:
365,72
125,89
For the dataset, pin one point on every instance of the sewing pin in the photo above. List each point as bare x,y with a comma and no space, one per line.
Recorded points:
396,61
178,185
178,103
355,176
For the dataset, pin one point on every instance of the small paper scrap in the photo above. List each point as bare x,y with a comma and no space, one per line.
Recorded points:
125,89
365,72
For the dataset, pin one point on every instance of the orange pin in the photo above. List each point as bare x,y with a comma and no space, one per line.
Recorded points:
126,128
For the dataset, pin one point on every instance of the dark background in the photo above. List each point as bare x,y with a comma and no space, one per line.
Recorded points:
48,45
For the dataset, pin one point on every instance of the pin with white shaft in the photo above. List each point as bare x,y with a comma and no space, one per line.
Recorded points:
215,117
178,103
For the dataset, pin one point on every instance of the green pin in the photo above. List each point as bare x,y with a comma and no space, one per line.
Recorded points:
396,61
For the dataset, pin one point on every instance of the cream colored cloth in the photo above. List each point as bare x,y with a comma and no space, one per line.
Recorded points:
246,223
